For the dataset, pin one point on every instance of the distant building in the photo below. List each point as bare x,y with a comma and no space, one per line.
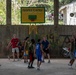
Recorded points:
69,13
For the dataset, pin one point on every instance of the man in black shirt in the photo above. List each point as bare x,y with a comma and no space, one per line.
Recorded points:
45,46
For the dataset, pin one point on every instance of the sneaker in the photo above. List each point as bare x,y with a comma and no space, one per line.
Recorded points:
43,61
9,57
49,61
14,60
38,68
29,66
32,67
69,64
24,61
18,59
70,67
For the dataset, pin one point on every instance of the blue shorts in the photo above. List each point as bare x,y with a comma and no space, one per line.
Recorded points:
39,57
75,53
72,55
25,54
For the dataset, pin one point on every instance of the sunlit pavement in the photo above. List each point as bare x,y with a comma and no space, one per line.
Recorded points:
56,67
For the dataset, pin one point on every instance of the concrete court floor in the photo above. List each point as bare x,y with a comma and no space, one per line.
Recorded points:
56,67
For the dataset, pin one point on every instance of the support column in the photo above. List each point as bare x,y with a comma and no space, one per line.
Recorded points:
56,11
56,35
8,12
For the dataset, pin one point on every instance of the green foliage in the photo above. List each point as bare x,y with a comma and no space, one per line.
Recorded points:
51,4
64,2
3,12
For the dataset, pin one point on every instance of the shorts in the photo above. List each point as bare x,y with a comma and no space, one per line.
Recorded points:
25,54
46,51
31,57
71,55
15,50
75,53
39,57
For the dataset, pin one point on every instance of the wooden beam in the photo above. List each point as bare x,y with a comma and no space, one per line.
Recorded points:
56,11
8,12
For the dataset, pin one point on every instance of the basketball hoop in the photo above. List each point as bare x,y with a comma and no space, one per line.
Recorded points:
32,17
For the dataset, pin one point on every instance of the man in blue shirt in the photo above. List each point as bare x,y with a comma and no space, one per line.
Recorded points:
45,46
38,54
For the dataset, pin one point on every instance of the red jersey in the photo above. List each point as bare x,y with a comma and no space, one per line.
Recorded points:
14,42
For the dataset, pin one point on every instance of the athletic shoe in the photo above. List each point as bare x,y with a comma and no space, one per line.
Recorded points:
49,61
69,64
9,57
18,59
38,68
25,61
43,61
30,67
14,60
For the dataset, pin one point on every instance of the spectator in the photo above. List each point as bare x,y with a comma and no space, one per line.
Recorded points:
45,46
14,43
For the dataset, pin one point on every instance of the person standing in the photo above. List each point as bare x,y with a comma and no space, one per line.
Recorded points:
26,48
14,43
71,51
31,53
39,54
45,46
75,45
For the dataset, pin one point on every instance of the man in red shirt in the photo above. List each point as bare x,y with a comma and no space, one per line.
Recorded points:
14,43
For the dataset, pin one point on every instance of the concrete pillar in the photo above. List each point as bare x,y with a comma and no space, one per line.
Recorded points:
56,11
8,12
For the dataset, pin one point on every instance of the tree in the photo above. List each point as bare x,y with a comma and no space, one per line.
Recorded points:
2,11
